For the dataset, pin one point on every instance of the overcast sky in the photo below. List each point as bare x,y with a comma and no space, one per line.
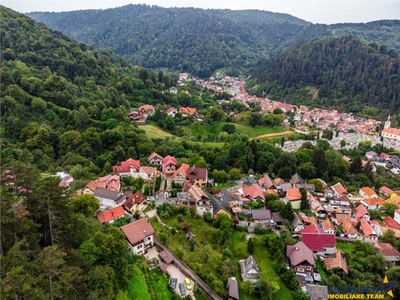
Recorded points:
316,11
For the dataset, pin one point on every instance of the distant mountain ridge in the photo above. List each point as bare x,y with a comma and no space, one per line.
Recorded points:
201,41
340,72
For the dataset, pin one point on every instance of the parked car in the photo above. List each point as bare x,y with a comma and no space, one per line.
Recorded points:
150,198
188,284
174,281
182,289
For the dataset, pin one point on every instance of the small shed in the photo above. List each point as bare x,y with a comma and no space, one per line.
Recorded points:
166,257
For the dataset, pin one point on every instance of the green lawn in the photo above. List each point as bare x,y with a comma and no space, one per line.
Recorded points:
321,270
153,131
347,247
198,129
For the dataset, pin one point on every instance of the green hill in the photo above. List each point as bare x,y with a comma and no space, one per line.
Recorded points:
201,41
343,73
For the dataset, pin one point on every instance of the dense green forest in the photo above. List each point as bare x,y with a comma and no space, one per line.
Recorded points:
344,73
201,41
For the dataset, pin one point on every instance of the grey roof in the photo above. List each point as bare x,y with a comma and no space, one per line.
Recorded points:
296,179
226,197
296,220
233,288
285,186
107,194
261,214
317,292
307,186
184,197
219,203
248,180
277,217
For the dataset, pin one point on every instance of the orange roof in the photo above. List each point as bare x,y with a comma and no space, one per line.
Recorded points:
366,228
182,170
339,188
253,191
392,130
374,201
111,214
368,191
93,185
336,261
346,158
390,222
348,227
293,194
187,110
327,224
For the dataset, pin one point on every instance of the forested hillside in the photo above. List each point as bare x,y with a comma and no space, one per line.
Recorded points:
335,72
201,41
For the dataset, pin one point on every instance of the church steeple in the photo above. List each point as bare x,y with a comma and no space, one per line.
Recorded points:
387,123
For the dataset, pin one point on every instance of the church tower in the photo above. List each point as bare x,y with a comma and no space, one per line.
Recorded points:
387,123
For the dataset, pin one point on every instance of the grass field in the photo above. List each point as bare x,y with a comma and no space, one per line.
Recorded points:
321,270
198,129
347,247
138,288
155,132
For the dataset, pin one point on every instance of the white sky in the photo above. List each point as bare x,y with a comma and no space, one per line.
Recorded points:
316,11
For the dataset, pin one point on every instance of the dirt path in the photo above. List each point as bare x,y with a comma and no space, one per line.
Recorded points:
264,136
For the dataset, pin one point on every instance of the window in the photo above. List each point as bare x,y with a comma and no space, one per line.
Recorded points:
308,268
300,269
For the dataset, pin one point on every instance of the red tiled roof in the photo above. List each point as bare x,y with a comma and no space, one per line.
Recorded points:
384,155
111,214
336,261
298,253
153,155
253,191
339,188
390,222
93,185
314,228
387,249
169,160
366,228
127,165
374,201
391,130
386,190
361,211
349,227
182,169
137,231
137,197
317,241
293,194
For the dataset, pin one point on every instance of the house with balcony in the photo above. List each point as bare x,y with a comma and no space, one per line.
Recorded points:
202,200
155,159
301,260
139,236
169,165
127,167
197,176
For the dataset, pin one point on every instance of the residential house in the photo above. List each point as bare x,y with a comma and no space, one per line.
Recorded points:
277,218
349,231
169,165
367,192
155,159
296,179
301,260
390,253
249,269
376,226
221,203
341,205
316,206
65,178
179,175
247,181
317,292
136,118
397,216
139,235
371,155
262,217
337,260
173,90
369,233
391,223
188,111
317,240
185,199
393,164
347,159
172,111
338,190
327,226
374,203
253,192
197,176
202,199
266,182
146,110
112,182
110,215
233,289
146,173
293,195
384,156
385,192
91,186
127,167
109,198
297,224
135,203
361,212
